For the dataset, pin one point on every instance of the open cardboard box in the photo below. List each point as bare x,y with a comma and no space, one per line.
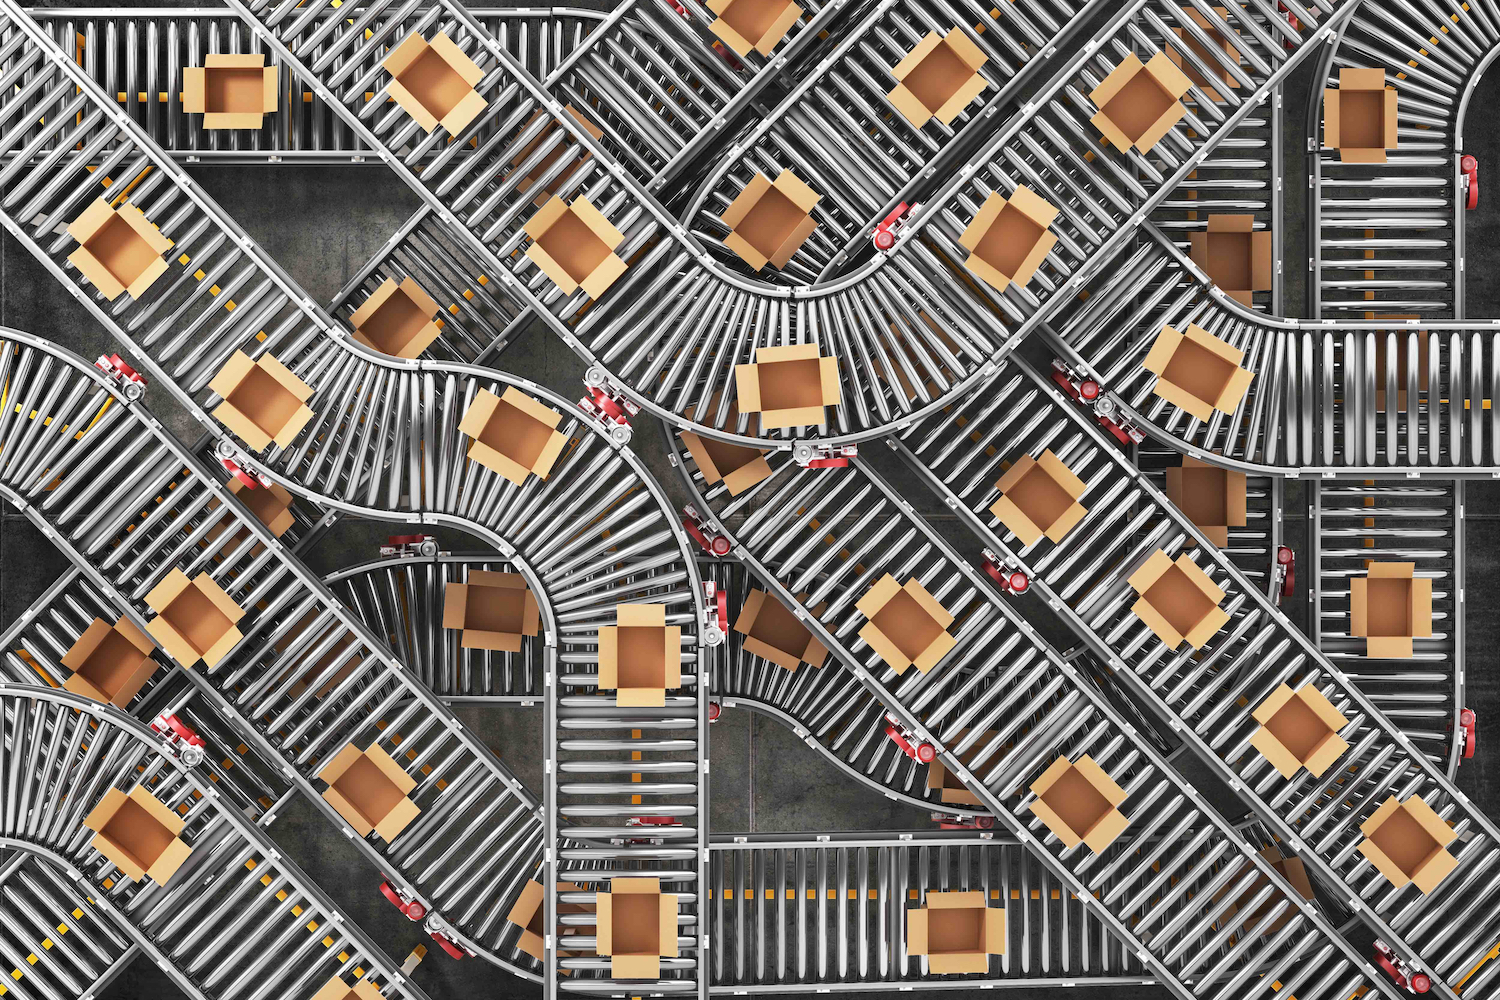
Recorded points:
1299,729
271,505
949,786
1039,496
957,931
334,654
574,245
640,657
788,386
1359,118
110,663
1408,842
1390,606
757,25
119,251
369,789
1197,371
1218,76
1009,238
770,220
434,82
938,78
1139,102
1178,601
493,610
230,91
513,434
907,627
737,466
529,914
139,834
1402,362
194,618
578,155
1293,870
397,320
637,927
337,989
263,401
1235,256
1080,803
1211,497
773,633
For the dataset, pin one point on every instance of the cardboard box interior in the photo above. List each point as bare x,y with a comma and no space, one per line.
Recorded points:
772,632
1299,729
110,663
788,386
1235,256
1214,499
1178,601
753,25
957,932
1360,117
434,82
139,834
369,789
938,78
1390,606
1039,496
1138,102
1197,372
263,401
1079,803
907,626
1407,841
231,91
397,319
119,251
574,244
1009,238
492,610
637,927
513,434
195,618
769,220
640,657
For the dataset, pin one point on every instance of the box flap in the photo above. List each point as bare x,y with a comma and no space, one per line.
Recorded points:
194,90
454,56
1352,78
667,926
916,931
914,58
398,819
1104,832
1332,118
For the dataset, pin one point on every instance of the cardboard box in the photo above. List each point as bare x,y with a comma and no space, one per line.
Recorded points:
194,618
271,505
397,320
788,386
907,627
770,220
574,245
263,401
434,82
640,657
753,24
307,674
119,251
230,91
938,78
578,154
1235,257
637,927
513,434
139,834
737,466
1197,371
1359,118
529,914
1390,606
1080,803
1139,102
773,633
1408,842
369,789
493,610
1293,870
1009,238
1039,496
1178,601
1299,729
1218,75
1211,497
337,989
110,663
957,931
1402,361
949,787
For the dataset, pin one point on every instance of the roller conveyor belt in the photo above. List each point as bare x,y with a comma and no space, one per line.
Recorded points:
56,943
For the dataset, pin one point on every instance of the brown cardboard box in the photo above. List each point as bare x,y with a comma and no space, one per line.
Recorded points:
1080,803
637,927
271,505
1359,118
337,989
513,434
949,787
306,674
434,81
263,401
194,618
1299,729
574,245
110,663
493,610
1039,496
1009,239
1197,371
753,24
1139,102
119,251
788,386
957,931
772,632
1293,870
1178,601
1390,606
1235,257
640,657
938,78
770,220
737,466
1402,361
529,914
139,834
230,91
1218,76
397,319
907,626
538,170
1211,497
1408,842
369,789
